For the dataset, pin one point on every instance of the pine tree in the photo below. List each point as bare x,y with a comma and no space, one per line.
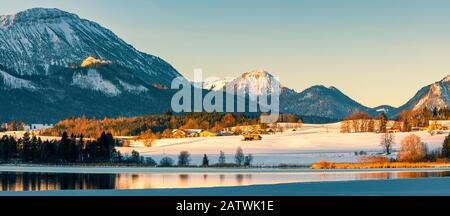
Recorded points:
205,161
383,122
4,149
80,149
13,151
34,149
105,145
63,147
26,149
446,147
248,160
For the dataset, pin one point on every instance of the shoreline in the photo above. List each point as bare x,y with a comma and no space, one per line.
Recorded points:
392,187
135,169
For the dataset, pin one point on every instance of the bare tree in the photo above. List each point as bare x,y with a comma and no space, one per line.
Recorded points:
239,156
412,149
387,141
184,158
222,159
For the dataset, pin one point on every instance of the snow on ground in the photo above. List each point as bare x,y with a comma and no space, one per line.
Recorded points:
312,143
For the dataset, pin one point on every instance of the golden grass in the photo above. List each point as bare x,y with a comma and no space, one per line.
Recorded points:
378,165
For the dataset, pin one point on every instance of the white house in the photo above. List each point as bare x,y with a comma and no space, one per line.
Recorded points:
35,127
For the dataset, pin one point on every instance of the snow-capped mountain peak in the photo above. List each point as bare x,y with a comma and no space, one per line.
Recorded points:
35,41
255,83
43,66
446,79
215,85
41,14
436,95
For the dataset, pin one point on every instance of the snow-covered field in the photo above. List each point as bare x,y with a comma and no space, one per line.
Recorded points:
312,143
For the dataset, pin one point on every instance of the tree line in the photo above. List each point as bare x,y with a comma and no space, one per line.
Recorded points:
184,159
421,117
69,149
155,126
360,122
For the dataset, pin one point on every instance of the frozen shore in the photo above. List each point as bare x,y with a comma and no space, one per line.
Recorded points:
122,169
395,187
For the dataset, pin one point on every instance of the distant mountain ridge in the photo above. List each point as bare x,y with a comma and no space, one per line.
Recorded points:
35,41
42,81
317,100
330,102
431,96
55,65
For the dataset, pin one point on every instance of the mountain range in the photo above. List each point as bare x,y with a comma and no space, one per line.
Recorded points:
54,65
41,78
330,102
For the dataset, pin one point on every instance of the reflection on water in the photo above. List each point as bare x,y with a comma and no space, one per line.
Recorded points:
18,181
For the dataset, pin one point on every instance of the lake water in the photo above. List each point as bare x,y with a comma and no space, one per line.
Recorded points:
30,181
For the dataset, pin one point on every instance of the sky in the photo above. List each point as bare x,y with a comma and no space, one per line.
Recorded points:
376,52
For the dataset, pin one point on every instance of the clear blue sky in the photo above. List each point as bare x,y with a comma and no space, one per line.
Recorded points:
377,52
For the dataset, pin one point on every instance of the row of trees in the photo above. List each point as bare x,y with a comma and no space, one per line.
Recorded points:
12,126
412,149
360,122
158,126
155,124
184,159
72,149
421,117
30,149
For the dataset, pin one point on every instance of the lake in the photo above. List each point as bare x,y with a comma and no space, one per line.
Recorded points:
41,181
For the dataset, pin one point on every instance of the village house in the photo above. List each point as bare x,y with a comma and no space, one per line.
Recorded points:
193,132
35,127
206,133
177,133
132,141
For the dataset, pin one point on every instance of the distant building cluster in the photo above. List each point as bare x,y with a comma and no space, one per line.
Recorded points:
29,127
439,124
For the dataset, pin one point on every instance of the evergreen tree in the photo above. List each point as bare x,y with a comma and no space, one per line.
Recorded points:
248,160
435,112
446,147
106,145
72,149
13,151
63,148
383,122
26,148
80,149
4,149
205,161
34,151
